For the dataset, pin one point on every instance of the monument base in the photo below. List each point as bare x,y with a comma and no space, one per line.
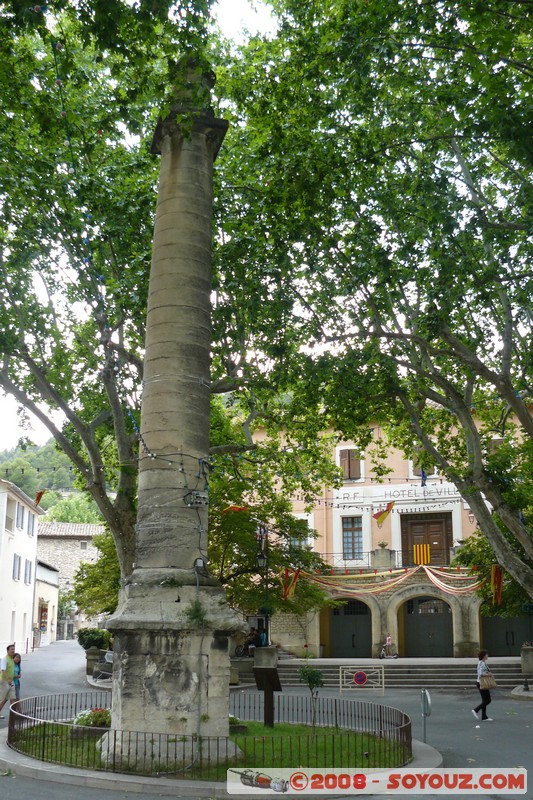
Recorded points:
171,668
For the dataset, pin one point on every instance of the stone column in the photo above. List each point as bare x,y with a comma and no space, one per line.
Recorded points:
171,669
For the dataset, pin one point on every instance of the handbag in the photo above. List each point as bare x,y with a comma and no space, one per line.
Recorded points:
487,681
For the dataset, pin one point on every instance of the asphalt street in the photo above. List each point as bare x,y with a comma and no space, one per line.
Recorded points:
451,729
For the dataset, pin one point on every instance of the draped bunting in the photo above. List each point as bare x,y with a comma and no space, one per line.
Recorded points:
455,590
448,581
289,583
496,581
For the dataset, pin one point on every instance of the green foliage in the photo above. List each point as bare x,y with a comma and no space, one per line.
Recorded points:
246,479
64,605
96,585
313,678
34,468
195,615
477,554
94,718
372,259
94,637
75,508
375,260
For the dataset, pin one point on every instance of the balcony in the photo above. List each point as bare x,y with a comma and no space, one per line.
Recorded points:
382,559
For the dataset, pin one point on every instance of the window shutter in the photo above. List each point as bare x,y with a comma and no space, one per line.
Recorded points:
344,457
350,462
355,465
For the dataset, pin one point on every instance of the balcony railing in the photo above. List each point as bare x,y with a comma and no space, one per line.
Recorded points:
382,559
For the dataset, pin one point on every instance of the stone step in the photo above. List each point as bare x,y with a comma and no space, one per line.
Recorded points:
438,675
443,674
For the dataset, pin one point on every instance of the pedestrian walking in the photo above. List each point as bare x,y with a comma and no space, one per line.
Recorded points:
17,675
7,674
485,681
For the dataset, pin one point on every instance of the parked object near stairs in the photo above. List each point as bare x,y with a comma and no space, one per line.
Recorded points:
386,651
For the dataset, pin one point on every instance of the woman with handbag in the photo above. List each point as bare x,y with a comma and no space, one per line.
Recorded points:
485,682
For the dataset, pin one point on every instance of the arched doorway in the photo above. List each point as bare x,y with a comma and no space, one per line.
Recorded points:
351,630
427,628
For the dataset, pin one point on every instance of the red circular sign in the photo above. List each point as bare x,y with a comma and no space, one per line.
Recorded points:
360,678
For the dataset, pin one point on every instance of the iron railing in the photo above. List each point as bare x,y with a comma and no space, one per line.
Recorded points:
364,561
42,727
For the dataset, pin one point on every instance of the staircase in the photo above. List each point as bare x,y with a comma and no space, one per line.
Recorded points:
439,674
444,674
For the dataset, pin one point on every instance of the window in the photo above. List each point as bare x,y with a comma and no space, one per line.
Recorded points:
416,467
494,444
352,538
28,569
350,463
427,605
83,545
16,567
20,515
31,524
353,608
300,536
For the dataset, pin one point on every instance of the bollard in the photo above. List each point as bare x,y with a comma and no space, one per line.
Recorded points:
425,702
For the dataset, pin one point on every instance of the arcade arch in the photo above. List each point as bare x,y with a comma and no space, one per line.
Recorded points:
353,627
423,620
428,623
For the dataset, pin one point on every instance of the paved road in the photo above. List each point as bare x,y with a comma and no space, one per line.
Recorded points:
451,729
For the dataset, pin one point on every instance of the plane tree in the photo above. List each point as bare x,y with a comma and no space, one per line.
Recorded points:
82,90
382,220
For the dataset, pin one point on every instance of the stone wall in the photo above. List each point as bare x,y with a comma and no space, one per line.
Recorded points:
61,546
297,635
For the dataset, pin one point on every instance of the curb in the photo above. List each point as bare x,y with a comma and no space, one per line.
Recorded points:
518,693
424,756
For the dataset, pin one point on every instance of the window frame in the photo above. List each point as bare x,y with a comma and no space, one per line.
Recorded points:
353,552
17,564
351,463
20,515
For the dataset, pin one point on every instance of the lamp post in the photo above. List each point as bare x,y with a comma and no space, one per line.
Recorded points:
262,563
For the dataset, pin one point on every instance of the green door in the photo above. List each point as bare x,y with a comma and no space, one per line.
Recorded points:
503,636
351,630
428,628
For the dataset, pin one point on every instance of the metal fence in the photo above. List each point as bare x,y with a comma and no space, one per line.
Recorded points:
42,728
364,562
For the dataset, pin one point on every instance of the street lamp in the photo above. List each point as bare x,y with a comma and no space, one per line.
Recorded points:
262,564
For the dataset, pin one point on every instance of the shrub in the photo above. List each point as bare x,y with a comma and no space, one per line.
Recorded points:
94,637
94,718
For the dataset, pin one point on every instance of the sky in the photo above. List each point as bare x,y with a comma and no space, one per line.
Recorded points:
233,16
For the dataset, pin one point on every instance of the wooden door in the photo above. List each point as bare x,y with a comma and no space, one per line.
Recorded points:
427,529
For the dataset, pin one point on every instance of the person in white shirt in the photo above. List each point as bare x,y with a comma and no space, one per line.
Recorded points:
482,669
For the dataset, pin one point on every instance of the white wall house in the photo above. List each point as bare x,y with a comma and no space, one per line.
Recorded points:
45,604
18,554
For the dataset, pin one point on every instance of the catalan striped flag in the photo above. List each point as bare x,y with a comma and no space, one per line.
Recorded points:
421,554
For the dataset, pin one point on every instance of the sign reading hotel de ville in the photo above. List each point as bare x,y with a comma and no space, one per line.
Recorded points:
383,492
